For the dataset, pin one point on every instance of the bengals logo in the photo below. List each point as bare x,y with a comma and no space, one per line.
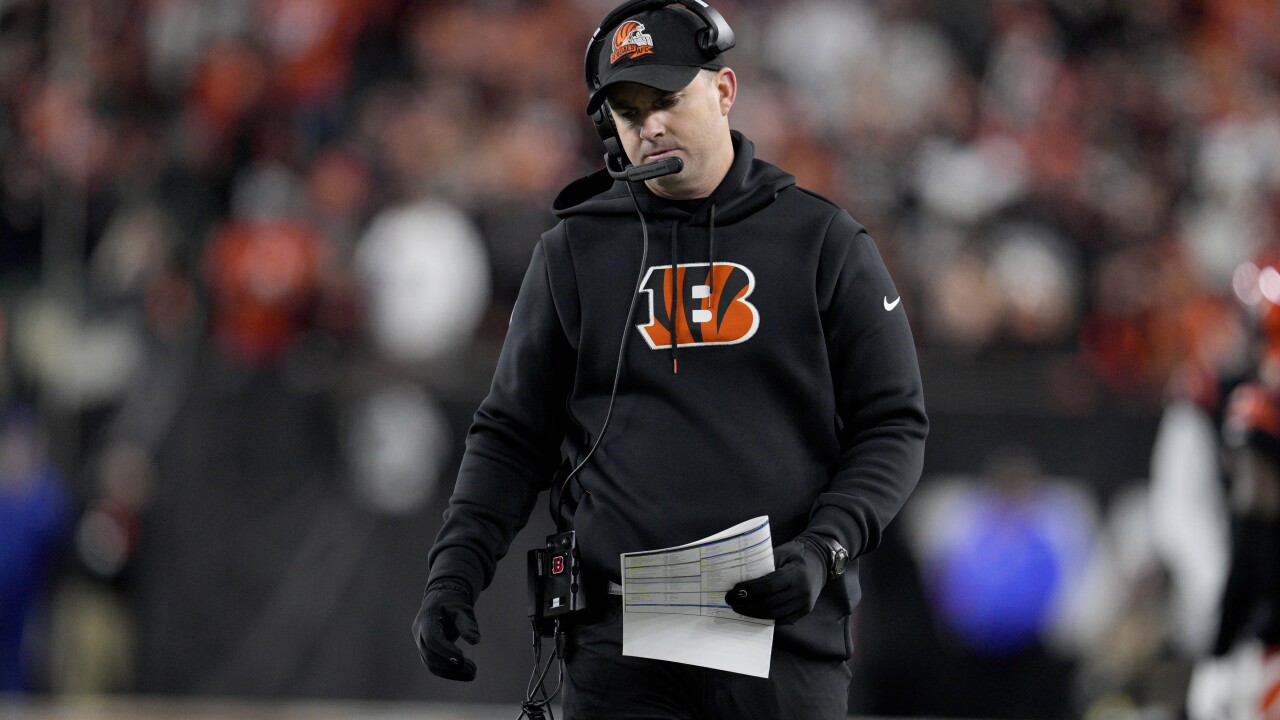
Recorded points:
630,41
699,318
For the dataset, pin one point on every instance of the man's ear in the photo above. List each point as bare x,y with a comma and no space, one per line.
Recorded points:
726,86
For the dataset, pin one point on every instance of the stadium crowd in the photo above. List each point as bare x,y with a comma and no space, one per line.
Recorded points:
213,210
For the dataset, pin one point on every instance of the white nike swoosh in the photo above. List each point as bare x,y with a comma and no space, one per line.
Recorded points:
891,305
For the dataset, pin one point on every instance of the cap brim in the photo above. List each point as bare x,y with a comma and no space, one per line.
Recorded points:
668,78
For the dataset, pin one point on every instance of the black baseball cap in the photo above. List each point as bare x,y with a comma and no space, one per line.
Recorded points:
658,48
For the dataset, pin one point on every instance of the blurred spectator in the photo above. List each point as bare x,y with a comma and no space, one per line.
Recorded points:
81,362
34,514
4,354
340,189
94,625
1188,487
1002,561
1125,623
263,277
397,445
526,159
426,277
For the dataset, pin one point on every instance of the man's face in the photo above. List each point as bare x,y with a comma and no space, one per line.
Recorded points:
691,124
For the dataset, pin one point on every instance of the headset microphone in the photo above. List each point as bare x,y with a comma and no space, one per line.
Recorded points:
648,171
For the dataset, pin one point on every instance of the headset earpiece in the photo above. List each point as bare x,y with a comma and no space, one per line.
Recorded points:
602,118
717,37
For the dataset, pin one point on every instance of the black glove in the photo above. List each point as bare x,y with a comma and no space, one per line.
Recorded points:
446,614
790,591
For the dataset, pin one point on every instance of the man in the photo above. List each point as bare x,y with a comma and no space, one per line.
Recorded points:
773,373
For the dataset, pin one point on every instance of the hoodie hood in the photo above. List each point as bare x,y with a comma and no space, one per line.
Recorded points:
749,185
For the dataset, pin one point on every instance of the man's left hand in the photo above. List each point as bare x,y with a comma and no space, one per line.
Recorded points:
789,592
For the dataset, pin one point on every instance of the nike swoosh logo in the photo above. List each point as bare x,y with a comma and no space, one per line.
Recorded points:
891,305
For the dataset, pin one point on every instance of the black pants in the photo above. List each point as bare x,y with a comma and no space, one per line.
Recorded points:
601,683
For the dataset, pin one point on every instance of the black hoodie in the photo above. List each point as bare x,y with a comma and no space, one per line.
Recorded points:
797,395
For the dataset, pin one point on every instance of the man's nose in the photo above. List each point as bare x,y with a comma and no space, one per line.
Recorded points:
653,128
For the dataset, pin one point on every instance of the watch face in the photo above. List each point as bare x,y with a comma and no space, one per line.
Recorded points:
839,562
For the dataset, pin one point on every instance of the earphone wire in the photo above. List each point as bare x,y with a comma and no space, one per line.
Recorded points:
622,354
539,708
532,707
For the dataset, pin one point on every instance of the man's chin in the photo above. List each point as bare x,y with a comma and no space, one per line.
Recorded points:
672,187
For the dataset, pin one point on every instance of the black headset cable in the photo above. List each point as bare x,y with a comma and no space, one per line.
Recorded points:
622,354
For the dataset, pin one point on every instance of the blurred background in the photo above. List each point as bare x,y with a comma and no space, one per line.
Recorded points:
235,373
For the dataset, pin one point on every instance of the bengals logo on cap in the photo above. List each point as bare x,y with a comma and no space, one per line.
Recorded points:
705,313
631,42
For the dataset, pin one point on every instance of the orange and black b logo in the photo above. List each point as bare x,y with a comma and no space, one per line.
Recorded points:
705,312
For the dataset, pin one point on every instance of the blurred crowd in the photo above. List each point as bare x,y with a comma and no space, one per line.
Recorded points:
1069,176
208,205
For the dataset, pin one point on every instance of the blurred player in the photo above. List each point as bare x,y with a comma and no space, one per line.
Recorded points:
1245,681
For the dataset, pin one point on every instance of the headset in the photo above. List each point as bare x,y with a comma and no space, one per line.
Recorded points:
714,39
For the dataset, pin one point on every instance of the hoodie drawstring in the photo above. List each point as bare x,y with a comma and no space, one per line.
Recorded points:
711,260
675,289
676,310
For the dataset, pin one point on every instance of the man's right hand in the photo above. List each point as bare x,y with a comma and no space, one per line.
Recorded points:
446,614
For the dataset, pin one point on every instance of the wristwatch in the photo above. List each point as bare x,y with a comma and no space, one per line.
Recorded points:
836,556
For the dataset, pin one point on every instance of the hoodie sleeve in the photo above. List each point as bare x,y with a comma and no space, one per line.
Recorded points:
882,423
513,446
